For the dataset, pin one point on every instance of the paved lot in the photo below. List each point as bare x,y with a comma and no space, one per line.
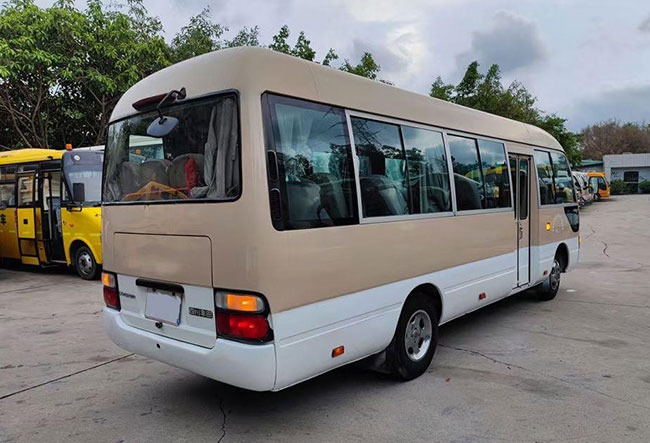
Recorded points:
574,369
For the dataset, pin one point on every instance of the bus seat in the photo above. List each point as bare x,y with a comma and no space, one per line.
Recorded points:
466,193
304,202
130,180
177,175
155,171
380,197
331,195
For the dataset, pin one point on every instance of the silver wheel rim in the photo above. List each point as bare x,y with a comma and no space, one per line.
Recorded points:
555,276
85,263
417,338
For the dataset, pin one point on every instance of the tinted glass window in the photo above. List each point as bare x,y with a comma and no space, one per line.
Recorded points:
523,189
196,159
382,168
545,178
7,173
314,163
428,172
562,177
495,174
7,194
467,173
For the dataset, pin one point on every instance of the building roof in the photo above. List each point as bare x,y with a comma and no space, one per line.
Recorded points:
253,71
588,162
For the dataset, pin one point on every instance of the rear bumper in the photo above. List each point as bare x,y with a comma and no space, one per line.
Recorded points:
246,366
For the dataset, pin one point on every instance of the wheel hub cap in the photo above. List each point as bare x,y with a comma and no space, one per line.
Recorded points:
417,339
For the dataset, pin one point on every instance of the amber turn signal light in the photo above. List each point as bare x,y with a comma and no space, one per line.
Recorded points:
338,351
548,226
239,302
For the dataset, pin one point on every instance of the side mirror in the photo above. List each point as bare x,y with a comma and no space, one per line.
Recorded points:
78,192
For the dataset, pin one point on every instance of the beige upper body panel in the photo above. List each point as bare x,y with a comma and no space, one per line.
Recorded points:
297,267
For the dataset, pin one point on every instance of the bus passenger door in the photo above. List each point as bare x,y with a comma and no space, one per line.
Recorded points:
26,218
520,170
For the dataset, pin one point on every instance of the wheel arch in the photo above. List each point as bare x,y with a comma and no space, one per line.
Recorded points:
75,244
432,291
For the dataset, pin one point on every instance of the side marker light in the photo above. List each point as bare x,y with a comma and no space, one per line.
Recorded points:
548,226
338,351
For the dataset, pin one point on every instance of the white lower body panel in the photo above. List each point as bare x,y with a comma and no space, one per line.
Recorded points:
246,366
363,322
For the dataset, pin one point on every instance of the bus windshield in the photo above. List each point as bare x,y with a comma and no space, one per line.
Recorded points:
82,171
197,160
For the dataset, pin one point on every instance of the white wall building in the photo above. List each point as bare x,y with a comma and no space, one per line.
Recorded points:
631,168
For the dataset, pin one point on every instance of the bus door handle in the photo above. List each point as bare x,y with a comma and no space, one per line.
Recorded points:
521,231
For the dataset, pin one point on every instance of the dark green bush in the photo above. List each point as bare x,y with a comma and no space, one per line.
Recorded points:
644,186
617,187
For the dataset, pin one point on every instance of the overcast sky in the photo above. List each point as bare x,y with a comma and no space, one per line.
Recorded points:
586,60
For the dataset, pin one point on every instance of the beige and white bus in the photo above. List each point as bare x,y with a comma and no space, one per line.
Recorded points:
294,218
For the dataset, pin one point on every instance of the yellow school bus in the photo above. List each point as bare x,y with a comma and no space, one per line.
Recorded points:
50,208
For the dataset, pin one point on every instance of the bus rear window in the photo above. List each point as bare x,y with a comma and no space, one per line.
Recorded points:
197,160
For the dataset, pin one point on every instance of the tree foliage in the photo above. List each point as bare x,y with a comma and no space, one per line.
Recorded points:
63,70
613,137
487,93
367,67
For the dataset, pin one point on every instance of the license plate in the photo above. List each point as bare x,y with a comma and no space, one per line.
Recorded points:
164,307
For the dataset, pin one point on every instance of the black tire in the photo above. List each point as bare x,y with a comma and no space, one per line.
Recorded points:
597,196
85,263
548,290
402,359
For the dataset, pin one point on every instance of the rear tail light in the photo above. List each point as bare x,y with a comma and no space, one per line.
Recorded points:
111,294
242,317
247,327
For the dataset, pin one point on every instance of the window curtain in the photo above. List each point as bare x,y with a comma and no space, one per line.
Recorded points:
220,169
295,125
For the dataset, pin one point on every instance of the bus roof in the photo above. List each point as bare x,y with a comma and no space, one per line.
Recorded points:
29,155
253,71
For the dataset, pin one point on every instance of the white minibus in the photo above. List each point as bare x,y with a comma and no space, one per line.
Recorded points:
294,218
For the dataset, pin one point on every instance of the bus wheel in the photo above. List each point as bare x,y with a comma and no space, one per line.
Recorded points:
416,338
548,290
85,263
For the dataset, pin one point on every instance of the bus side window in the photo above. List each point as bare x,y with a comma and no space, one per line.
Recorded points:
314,164
382,168
545,178
428,173
468,178
562,176
495,174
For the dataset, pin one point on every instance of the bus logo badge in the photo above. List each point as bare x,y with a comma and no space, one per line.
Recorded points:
200,312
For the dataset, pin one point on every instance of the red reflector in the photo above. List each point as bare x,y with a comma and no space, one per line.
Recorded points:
252,327
111,298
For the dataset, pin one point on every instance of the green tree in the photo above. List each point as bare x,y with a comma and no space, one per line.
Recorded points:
367,67
487,93
62,70
245,37
200,36
303,49
330,57
280,41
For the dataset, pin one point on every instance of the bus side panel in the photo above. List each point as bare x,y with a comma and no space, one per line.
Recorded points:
364,322
84,226
551,229
8,234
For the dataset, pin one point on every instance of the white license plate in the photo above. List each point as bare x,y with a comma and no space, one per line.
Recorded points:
164,307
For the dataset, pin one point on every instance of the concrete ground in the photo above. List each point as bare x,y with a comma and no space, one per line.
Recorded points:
574,369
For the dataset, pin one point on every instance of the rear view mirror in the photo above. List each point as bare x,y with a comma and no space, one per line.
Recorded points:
78,192
162,126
